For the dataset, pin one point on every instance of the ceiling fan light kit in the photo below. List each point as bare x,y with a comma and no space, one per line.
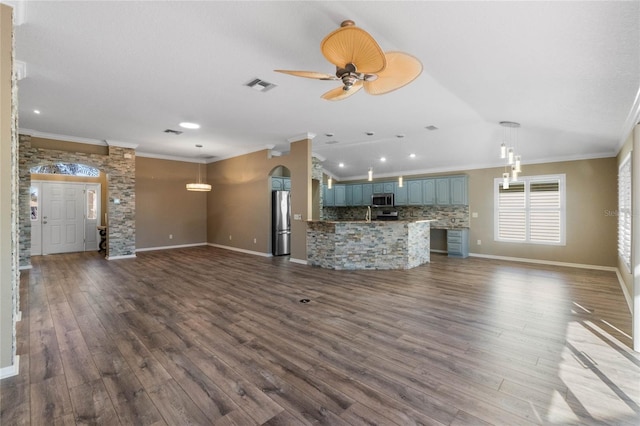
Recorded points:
360,62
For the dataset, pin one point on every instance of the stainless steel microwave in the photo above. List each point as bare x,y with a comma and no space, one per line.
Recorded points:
382,200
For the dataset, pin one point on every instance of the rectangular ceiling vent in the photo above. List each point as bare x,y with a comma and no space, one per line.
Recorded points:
260,85
174,132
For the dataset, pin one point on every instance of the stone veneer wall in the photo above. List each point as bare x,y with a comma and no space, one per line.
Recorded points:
375,245
120,172
445,217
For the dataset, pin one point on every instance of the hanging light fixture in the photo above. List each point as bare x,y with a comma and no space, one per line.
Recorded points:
199,185
508,152
329,183
400,182
370,174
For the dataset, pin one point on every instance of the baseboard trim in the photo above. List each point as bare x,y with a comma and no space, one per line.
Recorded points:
126,256
298,261
255,253
11,370
170,247
546,262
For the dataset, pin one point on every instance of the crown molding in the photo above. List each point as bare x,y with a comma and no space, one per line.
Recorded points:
63,138
121,144
301,137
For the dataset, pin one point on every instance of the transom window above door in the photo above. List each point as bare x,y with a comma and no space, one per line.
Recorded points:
71,169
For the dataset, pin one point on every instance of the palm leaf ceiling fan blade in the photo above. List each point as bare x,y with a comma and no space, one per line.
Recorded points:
339,93
310,74
360,62
352,45
401,70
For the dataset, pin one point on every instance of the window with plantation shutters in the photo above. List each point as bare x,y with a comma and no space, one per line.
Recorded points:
624,211
531,210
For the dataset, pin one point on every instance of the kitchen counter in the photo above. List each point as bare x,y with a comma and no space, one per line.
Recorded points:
398,244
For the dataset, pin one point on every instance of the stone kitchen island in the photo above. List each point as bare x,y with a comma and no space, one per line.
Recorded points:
368,245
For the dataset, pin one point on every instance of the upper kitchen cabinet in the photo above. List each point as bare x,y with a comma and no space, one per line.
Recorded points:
459,190
354,195
280,184
367,192
401,197
414,192
328,198
443,195
383,188
339,195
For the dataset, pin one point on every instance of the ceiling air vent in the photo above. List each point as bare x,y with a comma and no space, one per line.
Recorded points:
175,132
260,85
431,127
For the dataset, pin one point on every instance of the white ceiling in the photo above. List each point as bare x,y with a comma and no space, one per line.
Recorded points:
569,72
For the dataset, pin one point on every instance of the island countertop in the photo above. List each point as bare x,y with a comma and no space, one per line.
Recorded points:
397,244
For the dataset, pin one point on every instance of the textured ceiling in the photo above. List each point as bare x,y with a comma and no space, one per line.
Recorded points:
569,72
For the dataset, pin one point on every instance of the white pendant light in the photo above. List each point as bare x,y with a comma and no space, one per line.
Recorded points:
505,180
329,183
508,151
199,186
370,174
400,182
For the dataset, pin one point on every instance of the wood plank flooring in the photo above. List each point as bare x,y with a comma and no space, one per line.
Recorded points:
206,336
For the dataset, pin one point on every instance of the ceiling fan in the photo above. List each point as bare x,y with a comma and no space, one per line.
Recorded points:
360,62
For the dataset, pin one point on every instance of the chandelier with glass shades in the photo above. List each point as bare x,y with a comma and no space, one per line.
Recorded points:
508,153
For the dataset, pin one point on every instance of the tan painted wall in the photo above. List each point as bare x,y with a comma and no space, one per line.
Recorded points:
164,206
591,228
240,204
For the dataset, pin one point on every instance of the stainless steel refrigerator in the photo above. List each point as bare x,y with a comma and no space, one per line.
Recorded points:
281,223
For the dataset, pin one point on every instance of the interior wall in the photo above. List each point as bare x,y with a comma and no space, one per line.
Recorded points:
239,206
165,207
9,275
119,166
591,229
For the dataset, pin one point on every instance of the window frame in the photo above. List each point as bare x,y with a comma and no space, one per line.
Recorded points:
527,181
625,211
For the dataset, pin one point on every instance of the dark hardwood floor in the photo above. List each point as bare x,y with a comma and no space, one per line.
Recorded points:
212,337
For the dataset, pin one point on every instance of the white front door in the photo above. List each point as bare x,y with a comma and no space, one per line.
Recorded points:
62,217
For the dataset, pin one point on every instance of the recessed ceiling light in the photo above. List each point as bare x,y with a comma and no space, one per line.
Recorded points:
383,159
412,156
341,165
187,125
36,111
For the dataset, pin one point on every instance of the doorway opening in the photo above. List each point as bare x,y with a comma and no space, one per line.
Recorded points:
66,208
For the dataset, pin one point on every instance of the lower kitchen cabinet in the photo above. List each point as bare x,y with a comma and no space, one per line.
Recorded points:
458,242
